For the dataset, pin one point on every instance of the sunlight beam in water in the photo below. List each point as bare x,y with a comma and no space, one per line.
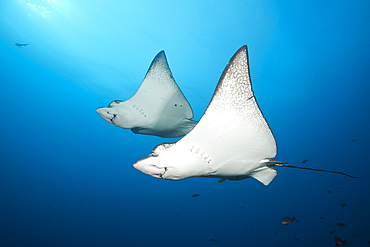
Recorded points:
43,8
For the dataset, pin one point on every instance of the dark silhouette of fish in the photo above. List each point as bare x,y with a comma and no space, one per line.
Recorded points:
287,220
343,204
195,195
354,140
19,45
304,161
341,225
340,242
214,240
331,232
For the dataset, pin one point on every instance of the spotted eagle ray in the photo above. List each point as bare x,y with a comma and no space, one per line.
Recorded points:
157,108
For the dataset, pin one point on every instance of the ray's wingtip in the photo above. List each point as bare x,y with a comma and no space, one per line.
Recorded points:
243,48
241,51
160,55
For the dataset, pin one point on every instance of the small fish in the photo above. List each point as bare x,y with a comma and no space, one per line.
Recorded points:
322,218
296,238
49,206
195,195
331,232
19,45
214,240
287,220
304,161
329,191
221,181
341,225
353,140
340,242
343,204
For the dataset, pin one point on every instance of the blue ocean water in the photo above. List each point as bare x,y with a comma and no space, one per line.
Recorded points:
66,175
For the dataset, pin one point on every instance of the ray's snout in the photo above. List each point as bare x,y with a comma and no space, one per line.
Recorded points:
102,111
147,166
105,114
